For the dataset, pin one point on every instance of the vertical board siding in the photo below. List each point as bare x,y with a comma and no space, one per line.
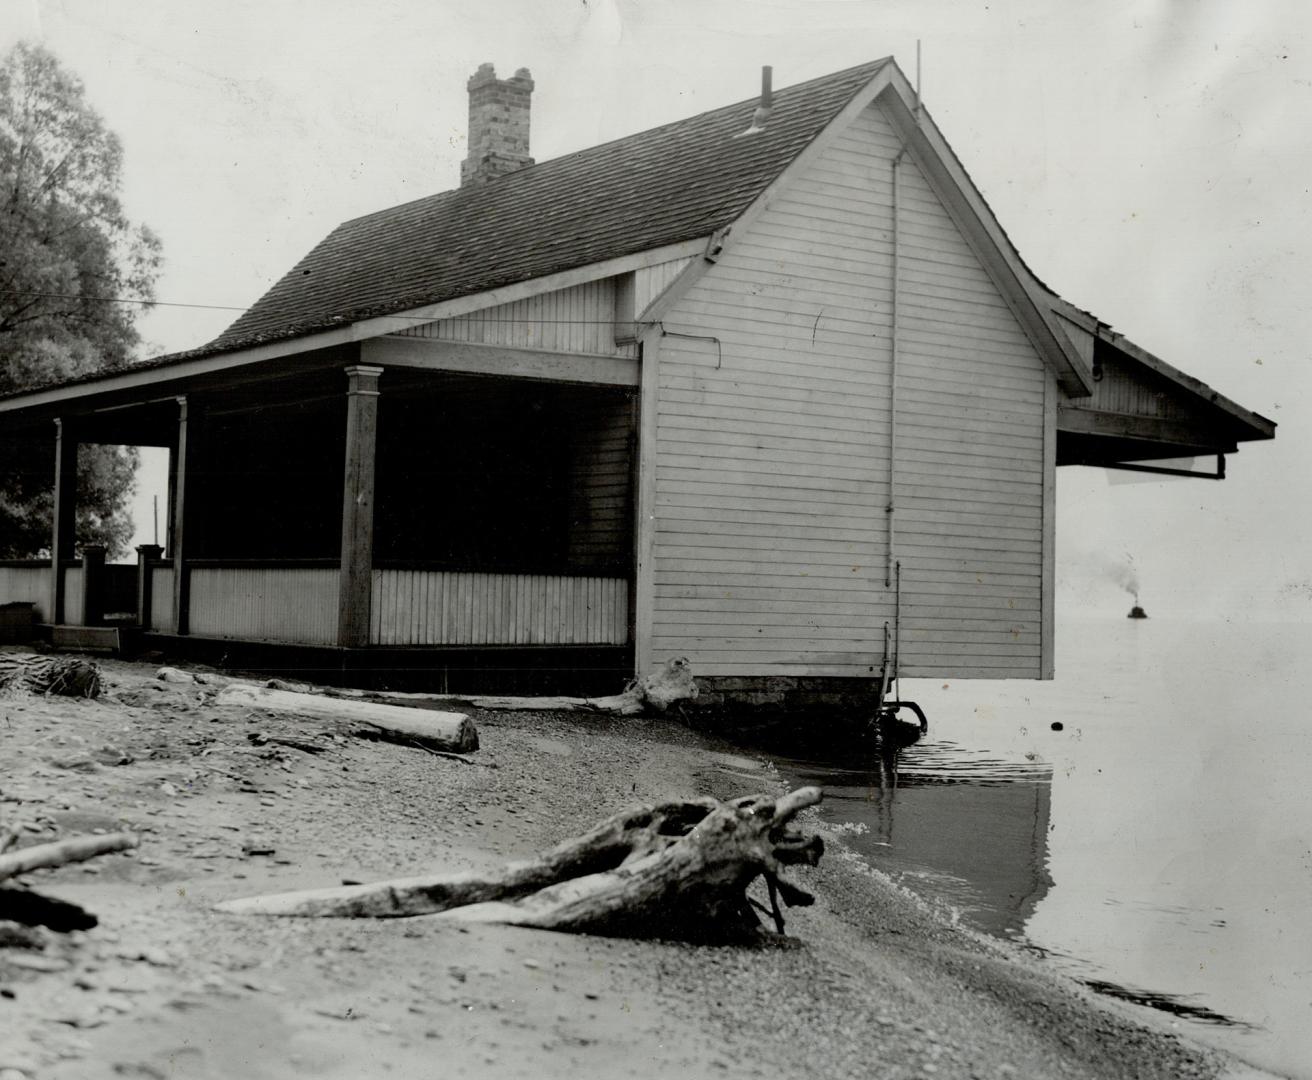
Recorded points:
1134,392
73,596
439,607
292,605
600,503
650,281
161,598
576,320
772,444
27,583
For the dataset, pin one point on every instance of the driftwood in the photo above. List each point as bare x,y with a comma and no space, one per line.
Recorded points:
76,849
441,731
68,676
678,869
672,685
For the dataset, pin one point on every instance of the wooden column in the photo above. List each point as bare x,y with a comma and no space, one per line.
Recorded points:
93,584
64,524
147,556
183,472
354,595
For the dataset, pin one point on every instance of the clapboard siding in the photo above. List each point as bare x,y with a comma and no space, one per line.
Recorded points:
292,605
575,320
435,607
30,584
771,469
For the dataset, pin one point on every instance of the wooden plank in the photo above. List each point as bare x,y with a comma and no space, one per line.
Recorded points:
537,364
1155,429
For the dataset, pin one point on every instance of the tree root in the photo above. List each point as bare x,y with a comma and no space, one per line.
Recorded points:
677,869
68,676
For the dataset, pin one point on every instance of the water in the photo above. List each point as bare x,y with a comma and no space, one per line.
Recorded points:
1158,845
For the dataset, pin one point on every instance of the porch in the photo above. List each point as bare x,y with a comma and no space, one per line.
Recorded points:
479,519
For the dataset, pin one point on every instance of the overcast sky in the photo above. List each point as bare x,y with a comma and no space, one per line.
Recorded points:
1151,159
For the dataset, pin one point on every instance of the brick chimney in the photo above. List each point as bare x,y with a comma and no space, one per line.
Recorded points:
498,125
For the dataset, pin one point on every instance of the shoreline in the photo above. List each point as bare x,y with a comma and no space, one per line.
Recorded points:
871,980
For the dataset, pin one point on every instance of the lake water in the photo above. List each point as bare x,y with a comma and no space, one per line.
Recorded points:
1144,821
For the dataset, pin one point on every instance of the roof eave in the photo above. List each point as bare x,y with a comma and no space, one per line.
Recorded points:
191,365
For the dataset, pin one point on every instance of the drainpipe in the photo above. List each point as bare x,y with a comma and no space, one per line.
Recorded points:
890,509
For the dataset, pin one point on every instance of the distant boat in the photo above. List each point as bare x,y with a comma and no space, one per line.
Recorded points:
1137,612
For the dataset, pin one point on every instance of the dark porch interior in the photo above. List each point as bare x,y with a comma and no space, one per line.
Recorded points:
471,473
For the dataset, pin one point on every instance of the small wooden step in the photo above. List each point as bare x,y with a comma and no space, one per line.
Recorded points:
86,638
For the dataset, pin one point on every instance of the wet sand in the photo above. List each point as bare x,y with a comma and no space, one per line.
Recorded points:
868,982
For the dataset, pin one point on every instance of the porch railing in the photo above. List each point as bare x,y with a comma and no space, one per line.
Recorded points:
457,607
297,602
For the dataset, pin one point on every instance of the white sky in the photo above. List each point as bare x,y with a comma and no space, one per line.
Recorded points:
1151,160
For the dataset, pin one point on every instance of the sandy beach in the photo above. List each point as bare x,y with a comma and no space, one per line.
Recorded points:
869,982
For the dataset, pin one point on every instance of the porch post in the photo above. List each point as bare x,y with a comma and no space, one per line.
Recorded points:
93,584
63,530
183,471
353,602
147,556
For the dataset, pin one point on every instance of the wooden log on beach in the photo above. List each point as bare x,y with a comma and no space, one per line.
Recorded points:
61,852
450,732
678,869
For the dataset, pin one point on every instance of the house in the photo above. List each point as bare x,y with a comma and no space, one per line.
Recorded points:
768,388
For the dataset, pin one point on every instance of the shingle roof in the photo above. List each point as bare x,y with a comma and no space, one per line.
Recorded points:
673,183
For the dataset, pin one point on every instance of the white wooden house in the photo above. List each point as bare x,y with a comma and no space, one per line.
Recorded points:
768,388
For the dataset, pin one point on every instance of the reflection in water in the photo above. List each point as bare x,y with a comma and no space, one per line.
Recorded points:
1120,822
973,832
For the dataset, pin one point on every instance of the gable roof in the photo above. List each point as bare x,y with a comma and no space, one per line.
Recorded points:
609,208
678,182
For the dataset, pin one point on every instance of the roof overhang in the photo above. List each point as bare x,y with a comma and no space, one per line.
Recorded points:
172,376
1232,422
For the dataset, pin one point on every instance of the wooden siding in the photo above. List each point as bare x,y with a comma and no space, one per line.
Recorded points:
576,320
600,507
161,598
770,537
72,596
27,583
293,605
432,607
1133,391
650,281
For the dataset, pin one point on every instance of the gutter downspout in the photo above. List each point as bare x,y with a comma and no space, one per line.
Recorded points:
890,509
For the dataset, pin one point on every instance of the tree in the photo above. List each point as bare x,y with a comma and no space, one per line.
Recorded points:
68,257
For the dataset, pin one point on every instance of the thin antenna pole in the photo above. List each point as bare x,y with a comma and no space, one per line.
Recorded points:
917,80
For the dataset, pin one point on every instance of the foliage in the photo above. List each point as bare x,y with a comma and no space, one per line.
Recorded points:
66,246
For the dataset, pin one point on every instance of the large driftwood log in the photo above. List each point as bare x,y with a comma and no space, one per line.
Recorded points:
77,849
68,676
441,731
679,869
672,685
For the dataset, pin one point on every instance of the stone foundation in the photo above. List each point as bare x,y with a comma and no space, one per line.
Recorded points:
737,701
